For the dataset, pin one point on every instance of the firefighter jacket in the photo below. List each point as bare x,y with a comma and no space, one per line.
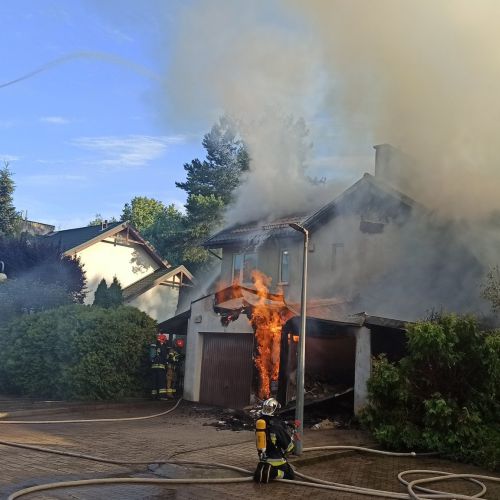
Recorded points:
173,357
279,441
159,357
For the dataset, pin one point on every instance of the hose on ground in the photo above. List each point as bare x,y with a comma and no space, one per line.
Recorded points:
87,420
414,488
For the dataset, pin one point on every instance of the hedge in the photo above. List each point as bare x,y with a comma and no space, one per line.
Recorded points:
444,396
76,352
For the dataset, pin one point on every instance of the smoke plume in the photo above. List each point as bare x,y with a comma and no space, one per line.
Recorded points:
421,75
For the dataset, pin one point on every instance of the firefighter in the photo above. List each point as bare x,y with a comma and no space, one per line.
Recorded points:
158,364
173,361
274,442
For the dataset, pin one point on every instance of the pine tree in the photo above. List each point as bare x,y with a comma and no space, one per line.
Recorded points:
101,296
10,219
115,293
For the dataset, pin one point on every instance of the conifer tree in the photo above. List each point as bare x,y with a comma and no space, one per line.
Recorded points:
10,219
101,296
115,293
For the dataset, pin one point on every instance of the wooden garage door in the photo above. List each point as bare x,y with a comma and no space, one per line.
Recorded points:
226,369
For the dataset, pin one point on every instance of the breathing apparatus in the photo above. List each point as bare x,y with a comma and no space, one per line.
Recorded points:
269,408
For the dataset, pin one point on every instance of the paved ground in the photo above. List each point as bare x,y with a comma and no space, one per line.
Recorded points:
186,433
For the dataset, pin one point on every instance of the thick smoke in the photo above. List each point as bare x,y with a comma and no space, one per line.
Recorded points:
422,75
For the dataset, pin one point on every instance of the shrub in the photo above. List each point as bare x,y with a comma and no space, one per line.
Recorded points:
77,352
23,296
444,396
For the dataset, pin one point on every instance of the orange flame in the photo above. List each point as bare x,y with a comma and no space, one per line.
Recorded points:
267,321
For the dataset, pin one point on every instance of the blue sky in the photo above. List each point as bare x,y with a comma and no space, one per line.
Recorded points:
85,136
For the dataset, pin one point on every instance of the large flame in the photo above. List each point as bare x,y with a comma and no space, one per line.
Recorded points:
267,321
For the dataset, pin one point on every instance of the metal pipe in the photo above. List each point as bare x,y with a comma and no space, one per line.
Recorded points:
301,355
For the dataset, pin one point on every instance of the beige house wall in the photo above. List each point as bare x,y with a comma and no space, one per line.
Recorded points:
160,302
105,259
204,320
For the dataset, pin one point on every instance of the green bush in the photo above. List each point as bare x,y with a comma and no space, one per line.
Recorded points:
77,352
444,396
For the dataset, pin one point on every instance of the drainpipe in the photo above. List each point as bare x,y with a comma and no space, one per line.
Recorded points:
301,355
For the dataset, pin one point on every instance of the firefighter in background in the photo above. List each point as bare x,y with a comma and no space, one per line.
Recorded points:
274,440
158,356
173,362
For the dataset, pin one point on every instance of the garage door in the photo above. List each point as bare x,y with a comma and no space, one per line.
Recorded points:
226,369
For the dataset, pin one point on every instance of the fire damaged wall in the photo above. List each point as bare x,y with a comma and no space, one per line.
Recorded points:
330,358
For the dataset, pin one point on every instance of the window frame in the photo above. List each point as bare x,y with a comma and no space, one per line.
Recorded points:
336,255
241,275
284,251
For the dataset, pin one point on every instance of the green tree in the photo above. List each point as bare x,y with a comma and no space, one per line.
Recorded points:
99,219
10,219
101,296
209,185
143,212
167,234
108,297
115,293
39,261
227,157
491,288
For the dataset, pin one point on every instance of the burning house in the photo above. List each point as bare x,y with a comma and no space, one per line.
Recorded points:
372,249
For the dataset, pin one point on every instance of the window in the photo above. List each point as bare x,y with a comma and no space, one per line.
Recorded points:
337,253
284,267
243,265
237,266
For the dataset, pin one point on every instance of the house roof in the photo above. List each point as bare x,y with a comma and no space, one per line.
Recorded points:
370,185
158,277
256,232
71,241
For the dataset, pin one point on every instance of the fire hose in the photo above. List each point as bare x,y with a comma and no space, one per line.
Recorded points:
415,489
86,420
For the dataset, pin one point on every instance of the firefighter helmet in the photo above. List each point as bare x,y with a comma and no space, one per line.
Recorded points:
270,406
161,338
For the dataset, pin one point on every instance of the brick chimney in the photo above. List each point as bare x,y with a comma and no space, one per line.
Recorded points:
393,167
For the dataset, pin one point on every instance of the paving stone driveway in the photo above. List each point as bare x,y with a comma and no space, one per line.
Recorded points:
186,434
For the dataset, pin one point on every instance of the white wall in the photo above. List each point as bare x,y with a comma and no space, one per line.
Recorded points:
204,320
129,263
160,302
363,368
364,257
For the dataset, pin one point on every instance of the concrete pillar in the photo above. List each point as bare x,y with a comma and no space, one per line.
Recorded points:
194,351
362,368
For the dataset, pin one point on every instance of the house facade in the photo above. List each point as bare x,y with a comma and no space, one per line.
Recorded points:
118,250
376,260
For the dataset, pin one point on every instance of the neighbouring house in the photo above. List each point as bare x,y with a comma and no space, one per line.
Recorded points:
36,228
117,249
375,254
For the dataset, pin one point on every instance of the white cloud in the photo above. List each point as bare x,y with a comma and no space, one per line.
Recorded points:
55,120
6,123
8,158
52,179
132,150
